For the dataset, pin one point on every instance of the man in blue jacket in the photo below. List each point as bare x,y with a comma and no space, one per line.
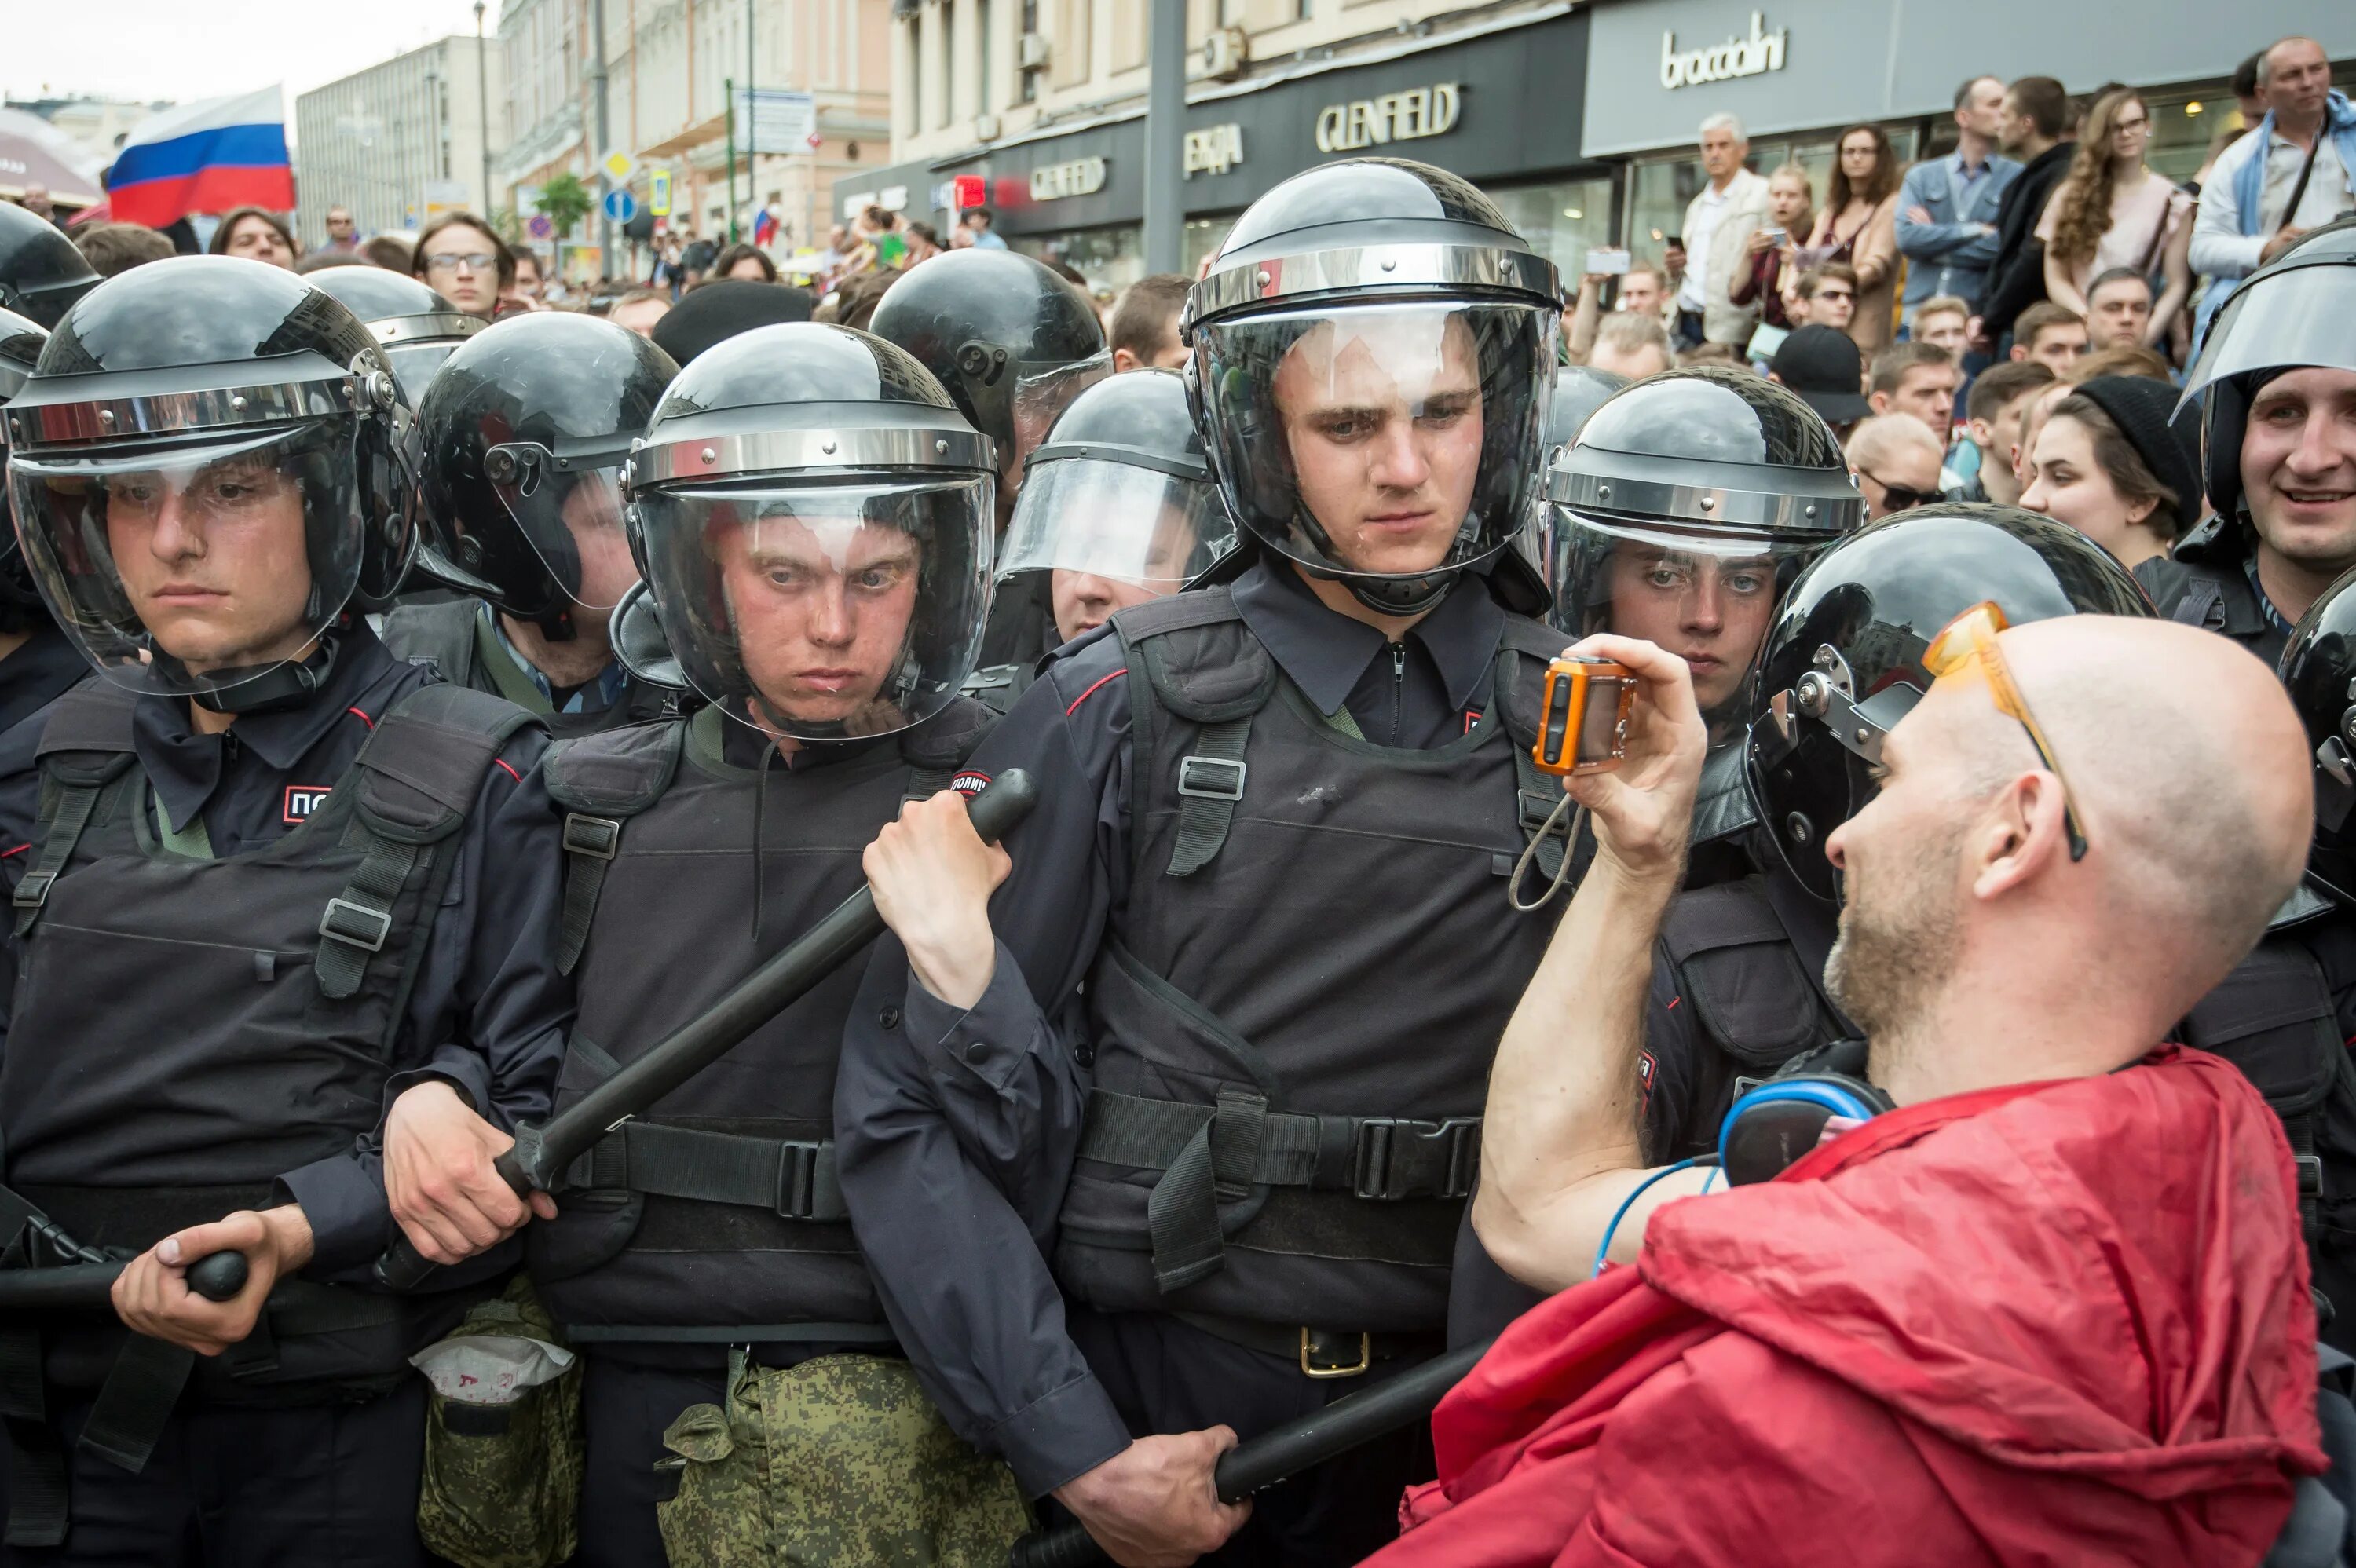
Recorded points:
1946,208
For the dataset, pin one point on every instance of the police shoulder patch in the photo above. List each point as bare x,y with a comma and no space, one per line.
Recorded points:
302,800
969,782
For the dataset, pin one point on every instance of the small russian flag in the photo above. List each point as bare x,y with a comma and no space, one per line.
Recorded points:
204,157
764,228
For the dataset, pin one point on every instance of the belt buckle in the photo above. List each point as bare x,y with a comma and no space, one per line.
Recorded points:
1313,1370
599,837
2310,1174
1212,778
374,928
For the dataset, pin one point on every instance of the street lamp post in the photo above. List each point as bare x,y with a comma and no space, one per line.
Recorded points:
483,108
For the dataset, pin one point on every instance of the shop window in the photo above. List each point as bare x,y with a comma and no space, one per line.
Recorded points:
1561,220
1203,237
1111,258
1070,65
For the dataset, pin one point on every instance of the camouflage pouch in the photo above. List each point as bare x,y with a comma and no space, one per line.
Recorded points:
502,1482
840,1462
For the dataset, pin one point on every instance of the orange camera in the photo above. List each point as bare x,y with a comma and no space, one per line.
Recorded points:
1583,718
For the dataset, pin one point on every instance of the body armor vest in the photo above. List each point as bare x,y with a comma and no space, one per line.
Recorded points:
1293,1018
455,637
714,1216
187,1028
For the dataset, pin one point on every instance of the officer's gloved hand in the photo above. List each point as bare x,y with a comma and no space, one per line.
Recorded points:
1155,1504
1642,810
932,877
439,1179
152,1295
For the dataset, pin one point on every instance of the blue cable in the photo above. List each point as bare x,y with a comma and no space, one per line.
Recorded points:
1604,1249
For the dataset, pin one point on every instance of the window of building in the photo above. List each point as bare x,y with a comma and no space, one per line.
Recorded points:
1111,258
1130,21
986,89
1203,237
1026,77
1561,220
1070,65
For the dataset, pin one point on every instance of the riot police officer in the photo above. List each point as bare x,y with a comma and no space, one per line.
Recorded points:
41,273
1118,508
1276,825
415,327
814,518
2278,451
523,433
36,663
288,905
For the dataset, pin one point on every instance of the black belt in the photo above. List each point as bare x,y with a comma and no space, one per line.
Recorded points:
1319,1352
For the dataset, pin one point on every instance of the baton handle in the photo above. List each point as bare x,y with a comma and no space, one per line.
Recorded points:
88,1288
541,1152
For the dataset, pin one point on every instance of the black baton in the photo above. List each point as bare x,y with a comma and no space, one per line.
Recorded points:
80,1287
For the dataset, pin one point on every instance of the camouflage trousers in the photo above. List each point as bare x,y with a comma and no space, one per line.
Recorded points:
840,1462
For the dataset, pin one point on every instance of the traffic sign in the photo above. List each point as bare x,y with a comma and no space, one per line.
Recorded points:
658,192
540,227
619,166
621,206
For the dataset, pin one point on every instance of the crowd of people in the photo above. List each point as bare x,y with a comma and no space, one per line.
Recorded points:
918,915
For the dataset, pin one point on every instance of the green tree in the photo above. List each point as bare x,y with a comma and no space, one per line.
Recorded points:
564,201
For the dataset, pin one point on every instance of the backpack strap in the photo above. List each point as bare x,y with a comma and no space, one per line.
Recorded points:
602,780
84,748
419,770
1191,656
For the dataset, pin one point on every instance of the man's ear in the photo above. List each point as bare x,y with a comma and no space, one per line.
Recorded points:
2019,352
1879,402
2022,832
1123,359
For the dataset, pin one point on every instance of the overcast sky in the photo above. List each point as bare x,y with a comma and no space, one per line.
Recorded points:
183,50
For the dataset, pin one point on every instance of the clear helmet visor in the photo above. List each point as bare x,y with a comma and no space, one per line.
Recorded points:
569,509
1707,595
1119,520
2303,315
1043,390
195,567
822,611
1386,440
414,364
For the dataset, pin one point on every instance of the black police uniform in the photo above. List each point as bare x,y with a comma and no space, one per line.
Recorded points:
2210,581
235,950
462,639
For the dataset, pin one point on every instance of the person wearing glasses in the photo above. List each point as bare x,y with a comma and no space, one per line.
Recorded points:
1896,460
467,264
1913,1323
2112,209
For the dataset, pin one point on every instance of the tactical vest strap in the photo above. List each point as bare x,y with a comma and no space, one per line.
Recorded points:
136,1402
733,1333
1210,783
419,772
2202,597
37,1459
1209,1154
604,780
790,1178
64,815
84,748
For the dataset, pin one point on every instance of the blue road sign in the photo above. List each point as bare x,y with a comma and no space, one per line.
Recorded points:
621,206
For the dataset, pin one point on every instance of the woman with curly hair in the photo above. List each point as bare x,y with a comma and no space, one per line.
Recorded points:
1858,226
2111,211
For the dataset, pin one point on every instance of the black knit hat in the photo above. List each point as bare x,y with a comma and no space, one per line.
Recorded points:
2141,408
720,309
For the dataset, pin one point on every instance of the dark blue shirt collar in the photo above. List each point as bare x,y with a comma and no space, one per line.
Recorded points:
1327,654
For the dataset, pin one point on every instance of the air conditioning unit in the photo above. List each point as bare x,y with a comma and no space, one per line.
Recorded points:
1030,51
1225,53
986,128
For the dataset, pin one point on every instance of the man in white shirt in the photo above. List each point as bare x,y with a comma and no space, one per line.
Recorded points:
1719,220
2290,173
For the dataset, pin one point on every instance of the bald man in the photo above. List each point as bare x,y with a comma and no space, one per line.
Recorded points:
1896,460
2054,1303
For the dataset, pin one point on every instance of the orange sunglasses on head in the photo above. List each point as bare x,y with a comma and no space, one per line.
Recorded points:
1972,635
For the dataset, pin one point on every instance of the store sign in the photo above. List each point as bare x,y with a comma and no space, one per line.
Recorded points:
1761,52
1408,117
1214,150
1081,176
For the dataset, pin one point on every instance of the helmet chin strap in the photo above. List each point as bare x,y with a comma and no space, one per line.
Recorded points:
290,685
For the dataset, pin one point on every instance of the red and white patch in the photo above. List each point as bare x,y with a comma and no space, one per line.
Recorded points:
302,800
969,782
1646,1069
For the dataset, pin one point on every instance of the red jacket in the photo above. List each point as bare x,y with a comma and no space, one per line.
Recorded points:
2060,1324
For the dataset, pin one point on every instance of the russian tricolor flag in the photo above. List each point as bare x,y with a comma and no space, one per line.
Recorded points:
204,157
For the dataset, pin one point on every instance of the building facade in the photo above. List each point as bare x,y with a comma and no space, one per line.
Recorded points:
670,65
401,142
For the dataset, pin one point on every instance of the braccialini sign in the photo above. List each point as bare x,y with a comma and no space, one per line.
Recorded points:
1761,51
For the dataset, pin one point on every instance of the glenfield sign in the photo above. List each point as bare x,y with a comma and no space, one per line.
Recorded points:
1761,52
1408,117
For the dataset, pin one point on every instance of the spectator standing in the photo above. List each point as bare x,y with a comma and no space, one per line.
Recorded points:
2251,107
1719,220
2052,334
2001,395
1758,279
388,251
1917,379
743,264
1631,344
1896,460
1143,334
2112,210
1944,322
2035,130
978,222
1947,206
36,200
470,266
1858,228
696,256
2107,464
1825,296
639,310
2118,310
924,244
1673,265
1644,290
2290,175
256,235
343,234
2123,359
111,248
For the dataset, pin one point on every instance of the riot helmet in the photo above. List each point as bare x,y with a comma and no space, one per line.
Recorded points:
1687,506
1118,503
815,519
41,273
206,476
1374,351
1011,342
2297,311
2319,669
415,327
523,433
1579,391
21,338
1843,661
